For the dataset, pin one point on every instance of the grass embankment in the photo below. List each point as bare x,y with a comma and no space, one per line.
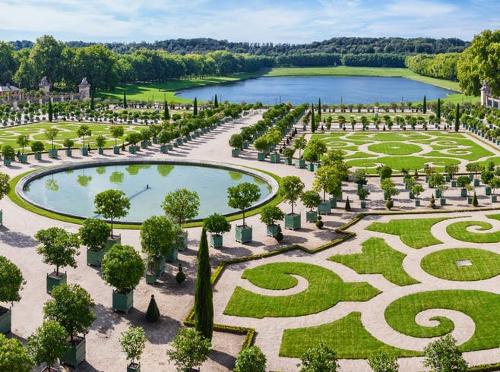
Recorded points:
157,92
375,71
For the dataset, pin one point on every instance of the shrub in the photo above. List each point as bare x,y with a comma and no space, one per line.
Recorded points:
382,362
94,233
443,355
13,356
242,196
48,343
133,342
189,349
319,222
8,152
37,146
310,199
58,247
319,358
250,359
180,277
291,189
11,281
389,204
236,141
112,204
270,214
217,224
181,205
153,313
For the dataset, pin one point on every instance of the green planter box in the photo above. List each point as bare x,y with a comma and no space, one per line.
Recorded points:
84,151
417,202
493,198
53,154
325,207
170,147
94,257
487,190
311,216
447,178
288,161
463,193
172,255
476,182
301,164
115,239
235,153
453,183
412,195
245,144
132,149
469,200
292,221
272,230
123,302
75,354
151,278
243,234
216,240
7,161
23,158
442,201
438,193
134,367
53,280
144,144
275,158
69,152
100,151
179,141
182,241
261,156
333,202
310,166
5,320
155,140
38,155
160,266
363,204
163,149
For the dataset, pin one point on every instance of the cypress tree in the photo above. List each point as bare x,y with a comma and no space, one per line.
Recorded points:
203,296
319,110
313,124
475,203
195,106
92,103
166,112
153,313
347,204
424,109
50,111
438,111
124,99
216,101
457,118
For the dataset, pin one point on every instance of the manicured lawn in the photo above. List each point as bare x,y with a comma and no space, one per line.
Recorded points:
325,289
414,232
158,92
395,148
346,336
458,230
8,136
494,216
482,307
443,264
378,257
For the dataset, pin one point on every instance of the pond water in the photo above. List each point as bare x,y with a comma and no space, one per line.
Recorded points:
331,89
73,191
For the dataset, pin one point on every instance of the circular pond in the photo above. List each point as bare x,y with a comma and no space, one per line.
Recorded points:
70,190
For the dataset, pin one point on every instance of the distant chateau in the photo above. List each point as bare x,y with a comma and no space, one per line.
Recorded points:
487,98
13,95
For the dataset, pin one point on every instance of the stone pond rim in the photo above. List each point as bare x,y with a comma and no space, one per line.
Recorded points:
24,181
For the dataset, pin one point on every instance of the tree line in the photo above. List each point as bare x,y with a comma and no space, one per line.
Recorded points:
441,66
340,45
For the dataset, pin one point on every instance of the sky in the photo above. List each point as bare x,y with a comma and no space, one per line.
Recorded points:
277,21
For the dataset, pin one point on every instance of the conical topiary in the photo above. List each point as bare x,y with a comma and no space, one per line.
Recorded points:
347,204
180,277
153,313
475,203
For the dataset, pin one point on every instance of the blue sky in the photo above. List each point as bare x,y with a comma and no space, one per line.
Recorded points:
293,21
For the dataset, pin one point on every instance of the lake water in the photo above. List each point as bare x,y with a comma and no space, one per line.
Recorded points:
331,89
73,192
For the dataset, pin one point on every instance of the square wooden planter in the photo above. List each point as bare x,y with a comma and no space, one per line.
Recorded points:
487,191
292,221
112,240
493,198
243,234
216,240
100,151
325,207
272,230
333,202
363,204
132,149
442,201
311,216
116,150
172,255
476,182
463,193
94,257
163,149
134,367
123,302
151,278
53,153
76,353
53,280
69,152
23,158
288,161
38,155
417,202
235,153
5,320
7,161
275,158
261,156
182,241
301,164
310,166
84,151
144,144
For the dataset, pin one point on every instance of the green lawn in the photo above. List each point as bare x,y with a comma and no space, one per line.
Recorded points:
8,136
458,230
346,336
378,257
395,148
443,264
494,216
482,307
158,92
414,232
375,71
325,289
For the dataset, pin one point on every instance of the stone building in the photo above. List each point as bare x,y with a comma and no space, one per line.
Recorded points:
84,89
487,99
45,85
9,91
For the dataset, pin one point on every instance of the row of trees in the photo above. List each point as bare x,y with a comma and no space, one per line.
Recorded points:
441,66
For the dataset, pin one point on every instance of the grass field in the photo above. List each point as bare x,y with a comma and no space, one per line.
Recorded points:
377,258
443,264
325,289
482,307
459,231
415,233
346,336
158,92
375,71
8,136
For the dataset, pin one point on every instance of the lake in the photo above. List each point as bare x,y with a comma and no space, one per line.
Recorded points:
331,89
